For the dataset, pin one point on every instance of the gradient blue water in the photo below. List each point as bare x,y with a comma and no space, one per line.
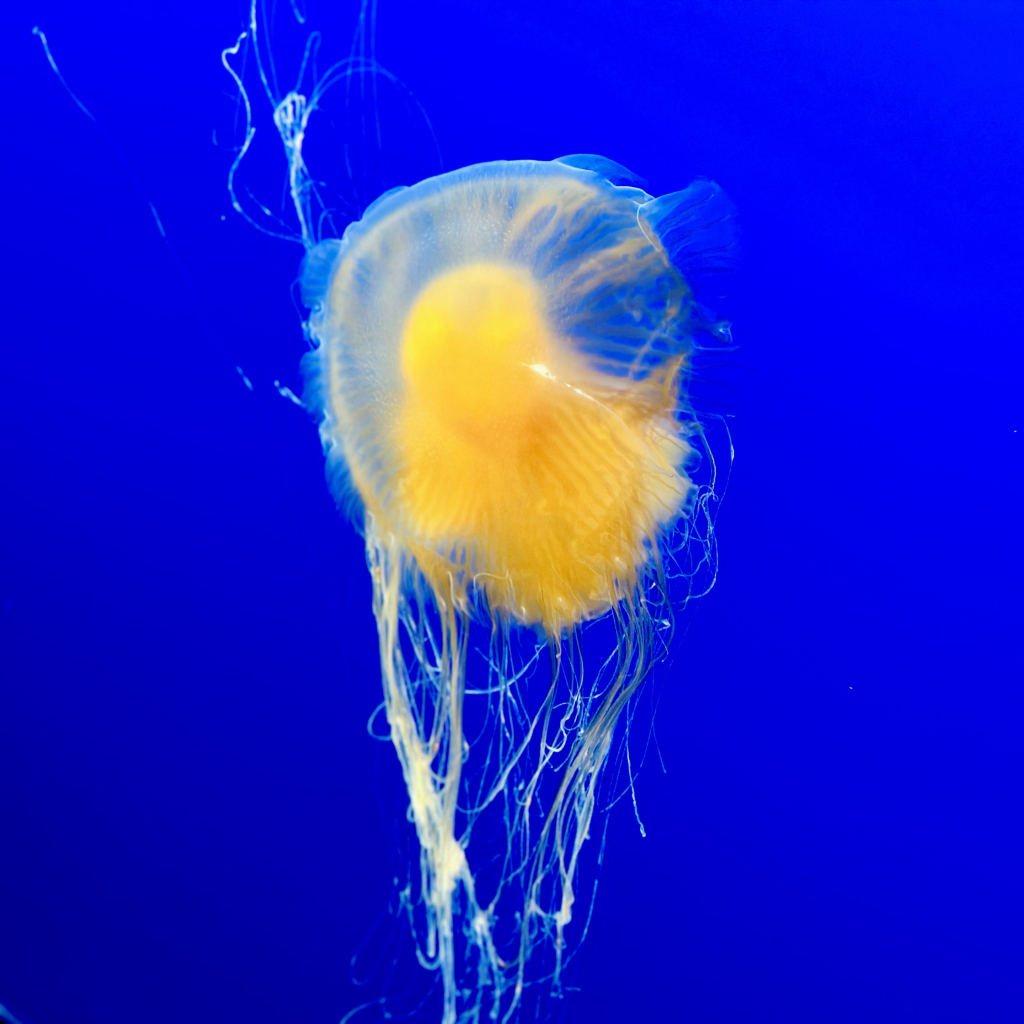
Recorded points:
194,823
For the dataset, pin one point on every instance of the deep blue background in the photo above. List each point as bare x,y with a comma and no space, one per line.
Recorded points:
194,823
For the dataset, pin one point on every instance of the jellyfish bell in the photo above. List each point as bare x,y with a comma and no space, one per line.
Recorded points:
500,361
500,354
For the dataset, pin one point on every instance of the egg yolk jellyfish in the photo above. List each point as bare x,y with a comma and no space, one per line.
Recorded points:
499,367
500,358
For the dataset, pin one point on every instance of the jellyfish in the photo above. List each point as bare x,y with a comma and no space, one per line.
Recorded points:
499,366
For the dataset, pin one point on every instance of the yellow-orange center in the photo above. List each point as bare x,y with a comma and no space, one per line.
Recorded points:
543,493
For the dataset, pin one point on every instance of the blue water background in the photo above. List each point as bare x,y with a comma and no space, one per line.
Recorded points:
194,823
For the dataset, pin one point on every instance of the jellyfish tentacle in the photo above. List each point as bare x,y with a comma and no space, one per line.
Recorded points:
429,744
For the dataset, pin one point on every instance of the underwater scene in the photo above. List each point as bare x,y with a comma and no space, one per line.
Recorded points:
512,512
